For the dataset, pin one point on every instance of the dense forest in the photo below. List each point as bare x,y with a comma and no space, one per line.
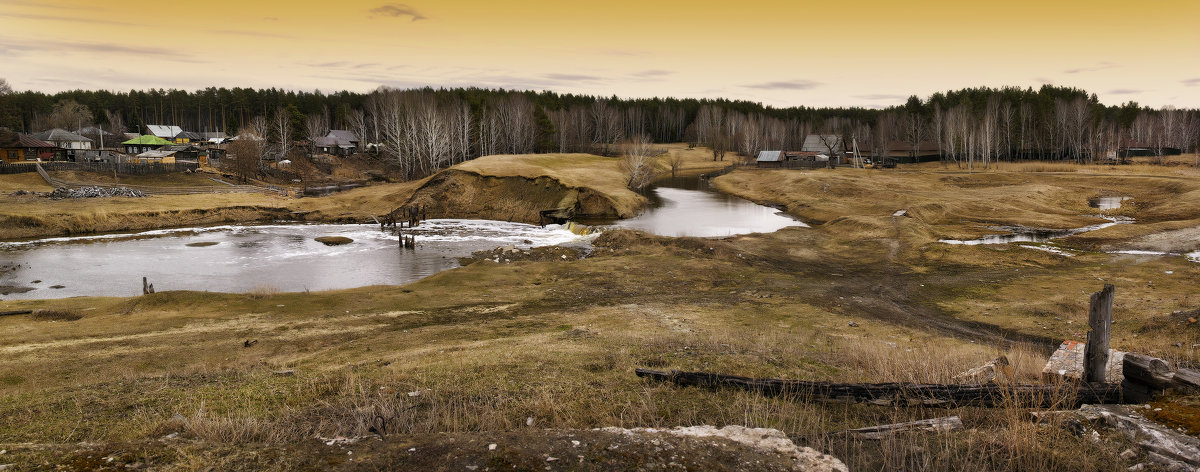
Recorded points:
426,129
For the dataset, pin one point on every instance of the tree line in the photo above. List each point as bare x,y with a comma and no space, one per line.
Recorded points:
422,130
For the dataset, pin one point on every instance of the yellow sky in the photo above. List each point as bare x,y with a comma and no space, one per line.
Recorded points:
782,53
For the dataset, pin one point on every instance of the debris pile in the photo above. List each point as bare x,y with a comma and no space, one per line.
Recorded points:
94,192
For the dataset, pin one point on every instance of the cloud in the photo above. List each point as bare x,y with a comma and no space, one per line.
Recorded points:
653,73
881,96
270,18
34,16
396,10
572,77
1124,91
1191,82
786,85
59,47
1100,66
1043,80
257,34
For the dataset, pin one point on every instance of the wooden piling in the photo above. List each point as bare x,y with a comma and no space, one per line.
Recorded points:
1095,358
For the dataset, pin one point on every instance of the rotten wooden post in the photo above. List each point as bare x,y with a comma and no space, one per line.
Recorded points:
146,290
1095,357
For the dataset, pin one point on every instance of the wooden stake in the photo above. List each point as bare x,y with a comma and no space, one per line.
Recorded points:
1095,357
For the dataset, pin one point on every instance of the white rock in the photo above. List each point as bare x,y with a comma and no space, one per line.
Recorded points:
763,439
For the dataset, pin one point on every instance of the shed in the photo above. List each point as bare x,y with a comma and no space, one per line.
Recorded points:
769,158
157,156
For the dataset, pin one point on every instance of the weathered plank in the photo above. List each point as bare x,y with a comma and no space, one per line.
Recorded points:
1100,321
952,395
939,425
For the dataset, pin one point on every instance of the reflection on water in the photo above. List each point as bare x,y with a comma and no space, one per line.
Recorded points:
1107,203
245,257
685,206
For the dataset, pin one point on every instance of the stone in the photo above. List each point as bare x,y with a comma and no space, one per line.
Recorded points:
1067,362
333,240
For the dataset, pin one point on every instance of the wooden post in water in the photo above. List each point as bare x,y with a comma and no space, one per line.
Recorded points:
1095,357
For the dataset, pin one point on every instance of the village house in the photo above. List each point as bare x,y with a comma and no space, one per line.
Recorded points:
17,147
806,159
173,134
144,143
905,152
67,140
827,146
338,142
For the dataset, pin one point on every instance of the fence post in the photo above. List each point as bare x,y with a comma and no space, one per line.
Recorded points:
1095,357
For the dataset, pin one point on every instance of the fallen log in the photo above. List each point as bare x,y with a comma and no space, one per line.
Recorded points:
990,395
938,425
1187,378
1146,370
16,312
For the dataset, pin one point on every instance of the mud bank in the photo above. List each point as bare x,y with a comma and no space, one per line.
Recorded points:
457,193
21,227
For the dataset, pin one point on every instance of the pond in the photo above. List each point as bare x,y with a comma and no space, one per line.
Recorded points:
286,257
687,206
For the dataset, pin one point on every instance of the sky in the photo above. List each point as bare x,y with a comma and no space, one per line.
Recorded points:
781,53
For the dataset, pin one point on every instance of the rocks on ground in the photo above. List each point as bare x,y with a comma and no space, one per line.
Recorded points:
94,192
506,254
731,448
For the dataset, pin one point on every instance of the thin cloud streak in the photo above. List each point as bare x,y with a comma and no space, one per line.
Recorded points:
1098,67
396,10
786,85
70,19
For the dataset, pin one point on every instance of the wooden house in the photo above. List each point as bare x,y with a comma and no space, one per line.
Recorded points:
66,140
173,134
144,143
338,142
17,147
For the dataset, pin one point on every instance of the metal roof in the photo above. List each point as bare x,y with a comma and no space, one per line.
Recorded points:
146,139
164,131
343,136
19,140
817,143
156,154
769,156
61,135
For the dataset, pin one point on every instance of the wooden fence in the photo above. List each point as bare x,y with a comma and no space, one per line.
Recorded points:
99,167
152,190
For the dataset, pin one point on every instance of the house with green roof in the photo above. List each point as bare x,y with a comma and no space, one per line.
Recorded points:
144,143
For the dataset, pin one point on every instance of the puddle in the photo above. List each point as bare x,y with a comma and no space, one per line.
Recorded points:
1107,203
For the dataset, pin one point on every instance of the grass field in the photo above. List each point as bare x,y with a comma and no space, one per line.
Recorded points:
199,380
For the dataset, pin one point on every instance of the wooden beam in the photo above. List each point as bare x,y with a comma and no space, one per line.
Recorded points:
1095,357
939,425
988,395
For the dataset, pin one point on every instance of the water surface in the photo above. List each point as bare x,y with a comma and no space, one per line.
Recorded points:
687,206
284,257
